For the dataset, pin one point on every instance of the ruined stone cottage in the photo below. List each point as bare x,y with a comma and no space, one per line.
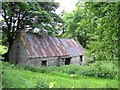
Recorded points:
35,49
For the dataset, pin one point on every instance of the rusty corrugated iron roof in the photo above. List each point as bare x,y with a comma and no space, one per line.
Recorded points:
48,46
43,46
73,47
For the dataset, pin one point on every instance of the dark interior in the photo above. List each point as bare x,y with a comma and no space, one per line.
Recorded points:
67,61
44,63
80,58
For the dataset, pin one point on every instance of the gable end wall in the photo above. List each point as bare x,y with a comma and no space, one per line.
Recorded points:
18,54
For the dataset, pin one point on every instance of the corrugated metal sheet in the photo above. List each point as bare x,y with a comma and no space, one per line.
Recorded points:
48,46
43,46
73,47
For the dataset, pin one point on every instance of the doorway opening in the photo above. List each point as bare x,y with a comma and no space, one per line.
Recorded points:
44,63
81,58
67,61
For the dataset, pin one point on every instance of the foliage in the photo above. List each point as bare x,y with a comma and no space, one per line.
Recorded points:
38,17
74,26
98,69
3,49
0,75
16,77
103,36
92,23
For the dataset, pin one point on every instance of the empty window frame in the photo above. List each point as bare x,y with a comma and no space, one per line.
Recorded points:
44,63
67,61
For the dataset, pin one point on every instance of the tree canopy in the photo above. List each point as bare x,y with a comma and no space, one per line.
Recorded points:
95,24
28,15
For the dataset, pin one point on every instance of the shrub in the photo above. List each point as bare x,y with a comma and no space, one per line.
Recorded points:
99,69
3,49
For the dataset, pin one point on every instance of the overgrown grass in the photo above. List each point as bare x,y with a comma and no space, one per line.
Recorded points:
97,70
25,76
0,75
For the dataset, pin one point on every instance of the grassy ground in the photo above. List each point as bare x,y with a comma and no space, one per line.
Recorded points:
20,78
0,75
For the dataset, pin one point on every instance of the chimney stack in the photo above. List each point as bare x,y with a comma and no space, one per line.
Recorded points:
21,33
75,38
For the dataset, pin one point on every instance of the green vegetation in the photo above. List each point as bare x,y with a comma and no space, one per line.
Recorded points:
0,75
92,23
95,24
22,15
98,69
3,49
25,76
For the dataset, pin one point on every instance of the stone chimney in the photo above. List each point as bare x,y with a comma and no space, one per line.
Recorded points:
21,33
75,38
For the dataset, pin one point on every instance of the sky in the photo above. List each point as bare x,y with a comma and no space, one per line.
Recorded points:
67,5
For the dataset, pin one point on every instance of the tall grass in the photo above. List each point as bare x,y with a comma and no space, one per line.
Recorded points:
22,76
97,70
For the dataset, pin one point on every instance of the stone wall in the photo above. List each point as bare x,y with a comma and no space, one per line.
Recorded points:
51,61
61,61
75,60
84,59
35,61
18,54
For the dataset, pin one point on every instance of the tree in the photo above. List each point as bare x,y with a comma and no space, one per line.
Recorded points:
21,15
103,37
96,27
76,25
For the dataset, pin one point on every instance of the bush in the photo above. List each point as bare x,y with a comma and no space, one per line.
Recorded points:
99,69
3,50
